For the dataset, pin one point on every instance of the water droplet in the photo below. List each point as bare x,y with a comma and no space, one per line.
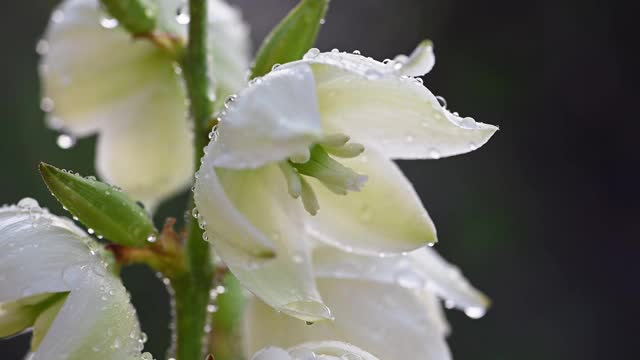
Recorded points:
108,22
65,141
146,356
91,231
468,122
205,237
28,203
75,218
431,244
449,304
442,101
182,15
335,50
297,258
47,104
323,21
474,312
473,146
194,213
434,154
152,238
312,53
229,100
275,67
211,308
356,52
57,16
372,74
220,289
42,47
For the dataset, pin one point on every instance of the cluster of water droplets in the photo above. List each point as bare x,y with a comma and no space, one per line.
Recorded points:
302,353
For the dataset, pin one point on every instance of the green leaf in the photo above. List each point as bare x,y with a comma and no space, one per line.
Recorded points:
137,16
101,207
293,37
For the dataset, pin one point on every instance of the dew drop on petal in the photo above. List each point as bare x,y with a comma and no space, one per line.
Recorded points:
47,104
356,52
42,47
474,312
311,54
182,15
323,21
57,16
442,101
65,141
152,238
434,154
108,22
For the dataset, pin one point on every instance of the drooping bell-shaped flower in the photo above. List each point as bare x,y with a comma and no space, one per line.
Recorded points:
323,130
322,350
54,280
97,79
388,306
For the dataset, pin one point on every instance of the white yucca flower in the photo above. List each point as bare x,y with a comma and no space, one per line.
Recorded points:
54,279
318,129
388,306
98,80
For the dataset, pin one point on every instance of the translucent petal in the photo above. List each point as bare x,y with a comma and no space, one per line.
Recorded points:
275,118
371,102
386,216
100,80
420,62
422,269
40,254
249,216
368,314
325,350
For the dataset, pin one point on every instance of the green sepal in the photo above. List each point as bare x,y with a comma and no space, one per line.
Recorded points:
292,37
107,210
137,16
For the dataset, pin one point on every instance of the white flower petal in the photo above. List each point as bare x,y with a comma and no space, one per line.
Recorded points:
420,62
41,254
386,216
151,155
369,315
275,118
248,214
422,269
331,350
373,104
100,80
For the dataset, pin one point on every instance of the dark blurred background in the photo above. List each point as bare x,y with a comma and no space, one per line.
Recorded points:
543,218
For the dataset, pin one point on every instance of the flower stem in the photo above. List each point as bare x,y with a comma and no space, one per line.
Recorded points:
192,288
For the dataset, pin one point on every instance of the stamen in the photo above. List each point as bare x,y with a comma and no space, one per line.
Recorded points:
334,140
300,158
331,173
346,151
309,199
294,185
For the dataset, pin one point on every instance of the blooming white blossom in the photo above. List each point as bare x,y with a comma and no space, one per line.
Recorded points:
98,80
325,350
279,140
376,302
54,280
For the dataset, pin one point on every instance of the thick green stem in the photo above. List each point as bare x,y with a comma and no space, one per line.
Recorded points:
192,288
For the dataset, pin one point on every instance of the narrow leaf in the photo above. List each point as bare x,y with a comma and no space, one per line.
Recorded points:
101,207
293,37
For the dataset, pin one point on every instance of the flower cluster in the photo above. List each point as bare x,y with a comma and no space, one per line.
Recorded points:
297,192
